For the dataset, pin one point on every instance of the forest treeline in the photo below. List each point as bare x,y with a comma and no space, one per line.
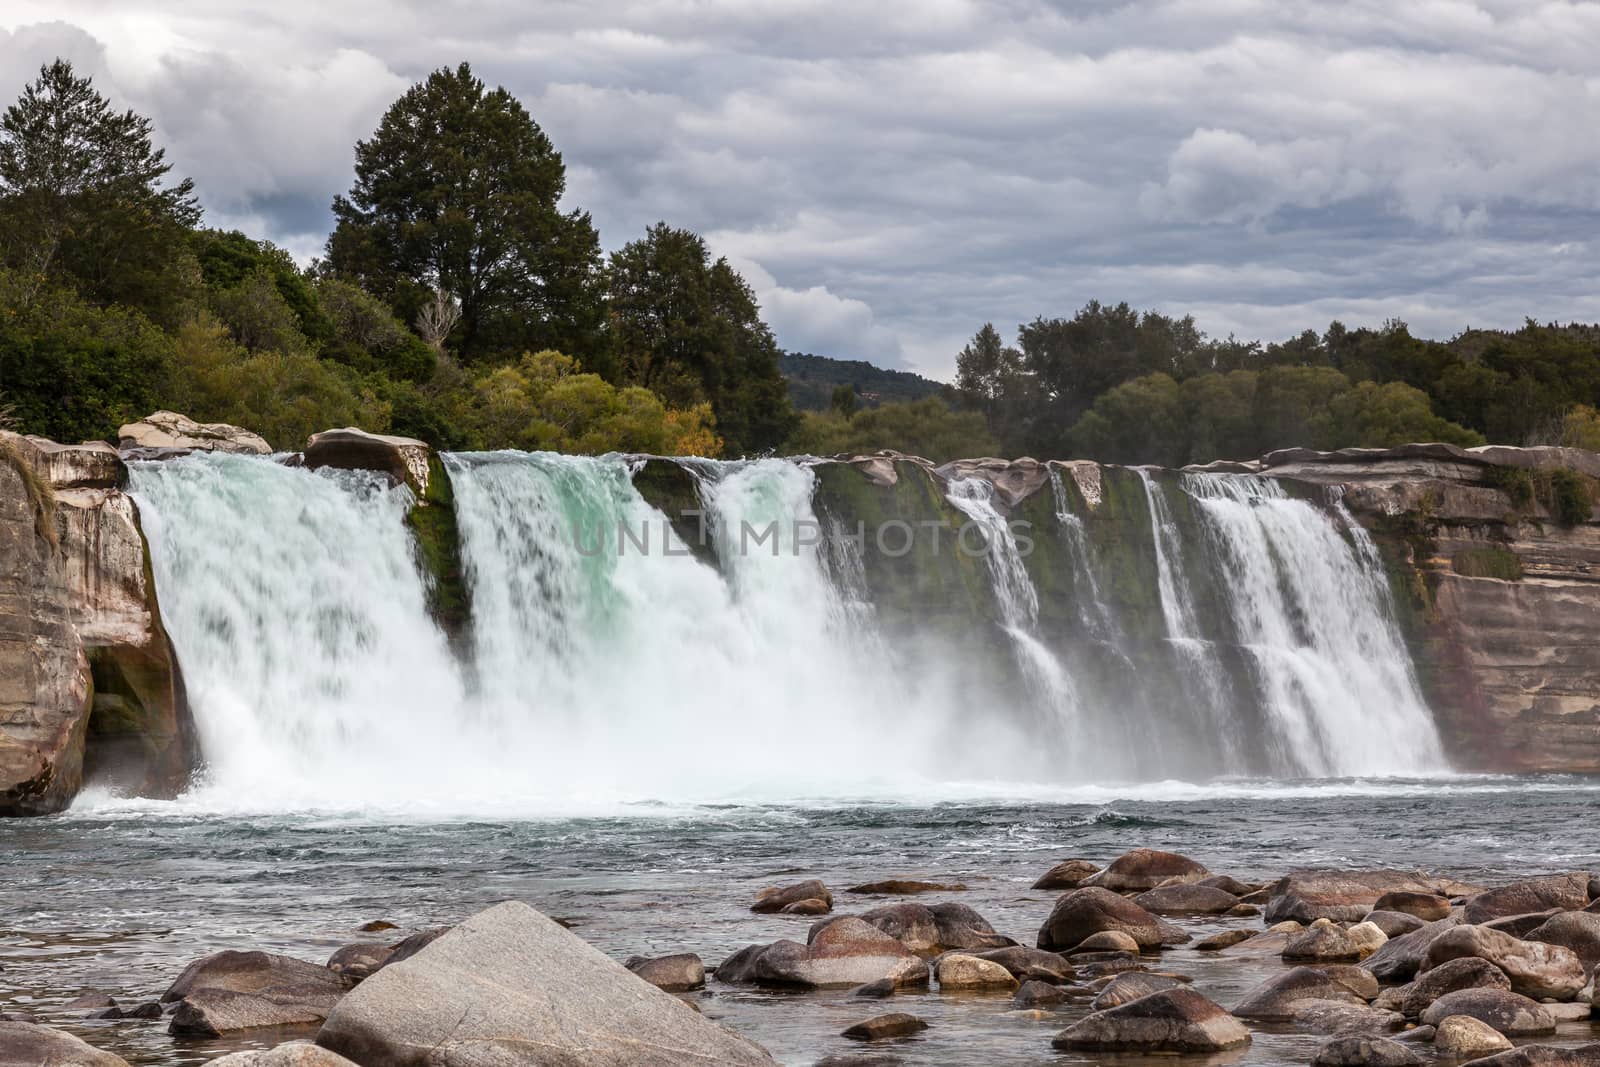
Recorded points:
457,301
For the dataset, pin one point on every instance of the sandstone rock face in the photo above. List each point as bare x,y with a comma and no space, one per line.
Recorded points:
511,986
1510,1013
405,459
91,465
168,430
1092,909
45,681
1568,892
232,991
1536,969
28,1045
1173,1020
1146,868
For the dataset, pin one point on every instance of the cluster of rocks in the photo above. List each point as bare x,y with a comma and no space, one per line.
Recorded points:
1387,967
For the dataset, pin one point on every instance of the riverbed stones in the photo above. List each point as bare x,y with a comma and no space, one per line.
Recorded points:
1034,995
1031,964
1275,999
293,1054
170,430
231,991
1323,941
1186,899
1464,1037
677,973
894,1024
1568,892
1510,1013
1145,868
960,972
1107,941
1343,896
30,1045
1172,1020
1576,931
360,960
776,899
1131,986
1228,884
1394,923
1358,1050
1223,939
511,986
1536,969
1520,926
844,952
1087,911
932,929
904,887
1469,972
1068,874
1338,1017
1428,907
1399,959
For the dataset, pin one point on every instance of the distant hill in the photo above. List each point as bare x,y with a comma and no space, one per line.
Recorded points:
812,380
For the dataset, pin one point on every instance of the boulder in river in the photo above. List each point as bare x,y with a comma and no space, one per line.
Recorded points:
1186,898
1468,972
775,899
165,430
509,980
294,1054
1035,994
1223,939
1360,1050
1426,906
960,972
1324,941
1522,924
936,928
1578,931
1568,892
1544,1056
1031,964
1172,1020
1092,909
1131,986
1068,874
30,1045
1275,999
1146,868
1510,1013
1394,923
844,952
1536,969
1399,959
403,459
675,974
230,991
895,1024
904,887
1337,1017
1228,884
1343,896
1463,1037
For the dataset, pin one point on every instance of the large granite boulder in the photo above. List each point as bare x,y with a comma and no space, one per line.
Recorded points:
509,986
1276,999
957,971
1468,972
1578,931
843,952
1172,1020
231,991
45,680
677,973
1146,868
169,430
1093,909
403,459
1510,1013
1343,896
1568,892
30,1045
1536,969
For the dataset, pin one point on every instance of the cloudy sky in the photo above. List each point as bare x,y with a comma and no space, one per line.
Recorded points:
890,174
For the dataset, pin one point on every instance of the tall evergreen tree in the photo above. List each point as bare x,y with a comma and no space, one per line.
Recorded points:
83,198
459,190
690,330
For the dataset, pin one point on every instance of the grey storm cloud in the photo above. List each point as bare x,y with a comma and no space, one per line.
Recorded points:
891,175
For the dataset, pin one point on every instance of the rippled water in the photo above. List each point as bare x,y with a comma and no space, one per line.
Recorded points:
117,897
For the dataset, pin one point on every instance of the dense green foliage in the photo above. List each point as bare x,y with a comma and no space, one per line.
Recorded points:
1125,386
453,285
814,381
926,427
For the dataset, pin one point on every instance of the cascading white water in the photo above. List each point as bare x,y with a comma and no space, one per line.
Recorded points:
605,665
1095,614
1336,682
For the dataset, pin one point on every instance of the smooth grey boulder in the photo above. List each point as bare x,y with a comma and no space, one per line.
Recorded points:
1510,1013
1146,868
1536,969
1173,1020
230,991
1357,1050
1186,898
1093,909
1031,964
1465,1037
895,1024
1568,892
1275,999
511,987
1469,972
675,974
929,929
294,1054
1132,986
1068,874
30,1045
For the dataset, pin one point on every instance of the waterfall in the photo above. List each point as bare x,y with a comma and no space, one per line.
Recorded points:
1335,682
1095,614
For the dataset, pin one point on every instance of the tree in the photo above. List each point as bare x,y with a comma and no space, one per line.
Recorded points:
926,427
83,199
844,400
458,190
689,329
1139,421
